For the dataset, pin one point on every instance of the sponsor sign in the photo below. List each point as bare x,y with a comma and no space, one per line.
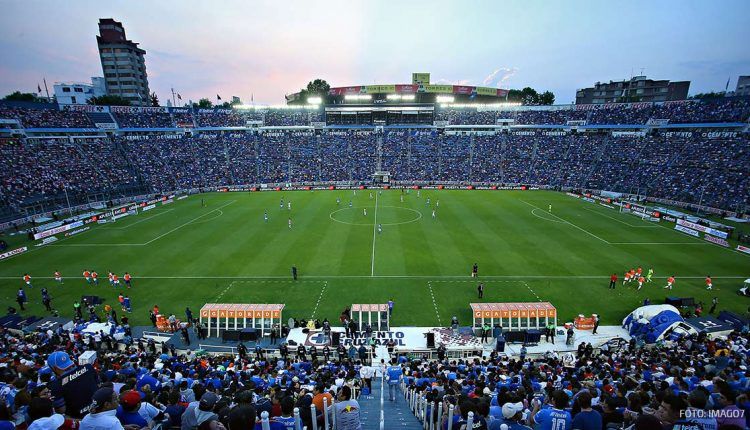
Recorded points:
462,89
669,218
56,230
148,207
47,241
106,125
13,252
166,202
606,205
704,229
686,230
379,89
744,249
122,215
628,134
439,88
407,89
182,197
137,110
573,195
588,199
717,240
86,108
80,230
101,221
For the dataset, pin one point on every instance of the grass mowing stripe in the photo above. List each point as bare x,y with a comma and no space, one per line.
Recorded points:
194,219
374,231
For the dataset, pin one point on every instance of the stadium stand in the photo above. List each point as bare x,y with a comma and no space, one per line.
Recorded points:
692,163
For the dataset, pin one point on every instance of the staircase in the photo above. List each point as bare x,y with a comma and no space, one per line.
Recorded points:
99,118
396,414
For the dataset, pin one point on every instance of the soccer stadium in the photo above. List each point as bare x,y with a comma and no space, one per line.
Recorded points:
389,256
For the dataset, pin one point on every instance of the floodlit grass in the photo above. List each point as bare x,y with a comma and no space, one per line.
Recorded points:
184,254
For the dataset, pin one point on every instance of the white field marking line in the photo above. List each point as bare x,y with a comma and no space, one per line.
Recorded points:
221,212
433,278
620,221
419,215
221,294
152,240
568,222
546,219
434,303
140,221
183,225
320,297
532,291
374,234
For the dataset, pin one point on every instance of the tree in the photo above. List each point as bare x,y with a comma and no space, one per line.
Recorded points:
109,101
547,98
203,103
529,96
18,96
154,100
318,87
711,95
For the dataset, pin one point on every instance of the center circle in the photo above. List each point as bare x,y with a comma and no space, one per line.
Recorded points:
387,215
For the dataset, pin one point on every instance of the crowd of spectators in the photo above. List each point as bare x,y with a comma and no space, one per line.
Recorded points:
693,169
681,112
46,118
694,382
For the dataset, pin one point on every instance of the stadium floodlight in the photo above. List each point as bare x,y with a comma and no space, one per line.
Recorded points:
445,99
314,100
393,97
408,97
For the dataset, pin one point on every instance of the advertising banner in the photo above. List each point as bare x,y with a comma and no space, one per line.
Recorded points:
11,253
380,89
439,89
717,240
407,89
56,230
686,230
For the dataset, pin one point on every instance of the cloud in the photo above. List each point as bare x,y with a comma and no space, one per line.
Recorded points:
500,75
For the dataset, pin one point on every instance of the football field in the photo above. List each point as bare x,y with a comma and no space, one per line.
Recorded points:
185,254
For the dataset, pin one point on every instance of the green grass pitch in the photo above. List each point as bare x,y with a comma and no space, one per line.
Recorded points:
184,254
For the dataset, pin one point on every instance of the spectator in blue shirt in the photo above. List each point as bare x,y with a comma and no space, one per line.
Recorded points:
554,417
394,378
587,419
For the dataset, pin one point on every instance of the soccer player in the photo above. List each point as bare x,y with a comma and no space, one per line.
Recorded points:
350,204
402,198
338,201
475,270
127,278
265,216
364,211
115,281
289,205
427,202
641,280
480,290
670,282
632,275
111,280
370,195
281,204
639,271
626,278
121,300
418,193
709,283
87,276
649,274
380,228
433,214
290,223
27,280
550,208
437,204
95,277
58,277
612,281
126,304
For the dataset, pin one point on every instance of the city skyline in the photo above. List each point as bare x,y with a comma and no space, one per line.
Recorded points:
260,49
